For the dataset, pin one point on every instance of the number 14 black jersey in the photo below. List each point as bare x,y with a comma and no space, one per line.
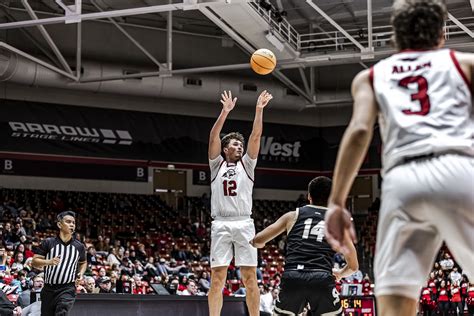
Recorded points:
307,248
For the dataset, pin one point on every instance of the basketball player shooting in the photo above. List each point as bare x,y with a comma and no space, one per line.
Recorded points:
231,204
309,276
423,96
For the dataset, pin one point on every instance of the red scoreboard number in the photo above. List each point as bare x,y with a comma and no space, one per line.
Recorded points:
358,306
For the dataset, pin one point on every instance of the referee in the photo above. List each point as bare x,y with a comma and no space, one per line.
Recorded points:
64,260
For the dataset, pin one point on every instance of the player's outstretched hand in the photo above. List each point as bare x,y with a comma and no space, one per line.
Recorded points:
263,99
339,228
227,102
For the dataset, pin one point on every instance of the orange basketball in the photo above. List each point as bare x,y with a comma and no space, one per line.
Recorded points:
263,61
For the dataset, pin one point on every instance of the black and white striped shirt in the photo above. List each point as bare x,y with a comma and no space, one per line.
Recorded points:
71,254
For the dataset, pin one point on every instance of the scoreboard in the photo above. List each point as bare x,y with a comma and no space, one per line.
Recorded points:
358,305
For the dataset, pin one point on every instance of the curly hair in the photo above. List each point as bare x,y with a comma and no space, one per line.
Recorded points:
234,135
418,24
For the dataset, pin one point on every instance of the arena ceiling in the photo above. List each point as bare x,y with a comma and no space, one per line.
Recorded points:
320,44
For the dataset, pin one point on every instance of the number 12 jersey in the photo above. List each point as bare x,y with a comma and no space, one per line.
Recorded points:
231,187
425,105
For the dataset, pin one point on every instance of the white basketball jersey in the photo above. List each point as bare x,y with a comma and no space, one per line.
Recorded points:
231,187
425,105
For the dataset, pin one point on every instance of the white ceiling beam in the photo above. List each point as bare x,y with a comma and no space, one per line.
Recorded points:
169,39
94,16
370,44
131,38
47,37
335,24
78,50
36,60
460,25
305,81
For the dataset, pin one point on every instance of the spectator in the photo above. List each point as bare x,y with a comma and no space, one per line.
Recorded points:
6,307
470,299
17,263
100,245
9,239
162,267
141,253
178,254
447,263
92,256
3,256
112,257
28,249
25,296
456,300
464,290
45,222
443,299
89,285
204,281
140,286
102,273
151,268
105,285
191,289
455,276
20,232
426,302
266,301
173,286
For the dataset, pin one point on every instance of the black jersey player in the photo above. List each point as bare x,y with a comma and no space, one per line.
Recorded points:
309,276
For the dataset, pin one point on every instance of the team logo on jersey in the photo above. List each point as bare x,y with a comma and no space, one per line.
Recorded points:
229,174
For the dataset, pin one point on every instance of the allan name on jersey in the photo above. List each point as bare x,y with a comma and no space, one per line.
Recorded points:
406,68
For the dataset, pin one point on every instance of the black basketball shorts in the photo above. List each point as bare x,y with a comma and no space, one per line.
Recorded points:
313,289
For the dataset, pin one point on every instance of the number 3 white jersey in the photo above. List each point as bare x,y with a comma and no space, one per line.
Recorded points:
425,105
231,187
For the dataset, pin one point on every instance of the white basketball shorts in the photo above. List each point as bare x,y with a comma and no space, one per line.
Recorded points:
424,203
230,238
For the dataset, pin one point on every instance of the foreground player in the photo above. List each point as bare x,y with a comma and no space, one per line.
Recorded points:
423,99
231,204
309,274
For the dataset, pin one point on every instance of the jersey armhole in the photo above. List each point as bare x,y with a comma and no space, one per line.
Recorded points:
295,218
371,77
459,69
217,171
245,169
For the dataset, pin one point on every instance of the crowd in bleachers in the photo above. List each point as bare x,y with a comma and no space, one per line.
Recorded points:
446,292
135,242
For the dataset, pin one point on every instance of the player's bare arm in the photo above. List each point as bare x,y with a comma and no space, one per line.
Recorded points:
466,61
253,147
273,230
351,259
214,137
40,261
352,151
